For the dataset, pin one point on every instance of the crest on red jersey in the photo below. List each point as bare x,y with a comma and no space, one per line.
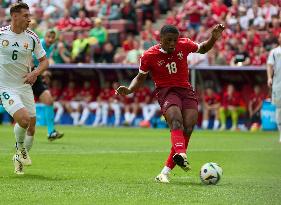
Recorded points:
161,62
180,55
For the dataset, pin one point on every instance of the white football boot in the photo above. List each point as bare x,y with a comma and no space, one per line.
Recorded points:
24,157
162,178
181,160
18,165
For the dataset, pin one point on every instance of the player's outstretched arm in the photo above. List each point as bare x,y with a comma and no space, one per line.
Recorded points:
215,35
31,77
136,83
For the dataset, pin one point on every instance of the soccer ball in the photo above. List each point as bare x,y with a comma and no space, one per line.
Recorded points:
210,173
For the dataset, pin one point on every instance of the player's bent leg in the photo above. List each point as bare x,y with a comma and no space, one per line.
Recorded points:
174,118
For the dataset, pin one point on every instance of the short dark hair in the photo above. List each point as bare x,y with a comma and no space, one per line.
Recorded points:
169,29
16,7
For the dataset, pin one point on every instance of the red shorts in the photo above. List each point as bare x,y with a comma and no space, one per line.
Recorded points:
184,98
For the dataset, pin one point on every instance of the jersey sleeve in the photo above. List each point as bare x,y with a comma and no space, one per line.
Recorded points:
191,46
270,59
144,64
38,51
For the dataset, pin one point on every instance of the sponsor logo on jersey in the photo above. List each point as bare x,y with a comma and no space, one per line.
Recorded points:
180,55
25,45
5,43
11,102
16,44
161,62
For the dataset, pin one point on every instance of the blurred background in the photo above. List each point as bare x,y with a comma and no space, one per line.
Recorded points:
99,43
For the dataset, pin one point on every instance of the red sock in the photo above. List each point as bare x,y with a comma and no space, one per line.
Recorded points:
178,141
186,140
170,162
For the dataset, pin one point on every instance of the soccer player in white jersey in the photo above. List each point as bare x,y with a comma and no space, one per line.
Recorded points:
274,80
17,44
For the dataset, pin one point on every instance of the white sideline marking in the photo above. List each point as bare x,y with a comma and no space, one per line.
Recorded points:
62,152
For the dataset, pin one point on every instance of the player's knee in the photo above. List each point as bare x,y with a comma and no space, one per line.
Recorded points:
31,130
49,101
176,124
24,121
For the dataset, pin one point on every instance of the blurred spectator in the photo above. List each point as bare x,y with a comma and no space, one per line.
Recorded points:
270,41
254,106
115,104
194,9
172,17
133,107
108,52
88,101
82,22
99,32
71,101
147,8
56,91
232,105
66,23
34,27
219,10
243,18
148,29
149,110
109,11
92,6
198,59
80,47
211,106
257,58
269,10
276,28
61,54
120,55
241,58
128,44
128,11
134,55
149,42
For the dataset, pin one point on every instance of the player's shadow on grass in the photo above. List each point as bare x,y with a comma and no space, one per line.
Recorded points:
39,177
199,184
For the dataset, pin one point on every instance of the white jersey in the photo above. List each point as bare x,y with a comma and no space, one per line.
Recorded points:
274,59
16,56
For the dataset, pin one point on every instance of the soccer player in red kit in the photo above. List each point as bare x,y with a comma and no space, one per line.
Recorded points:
167,63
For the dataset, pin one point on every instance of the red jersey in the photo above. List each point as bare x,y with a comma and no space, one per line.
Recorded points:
69,94
65,23
233,100
106,94
141,94
211,100
168,69
87,92
56,93
256,100
84,23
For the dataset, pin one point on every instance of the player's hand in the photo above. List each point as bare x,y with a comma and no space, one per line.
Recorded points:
123,90
269,82
30,78
217,31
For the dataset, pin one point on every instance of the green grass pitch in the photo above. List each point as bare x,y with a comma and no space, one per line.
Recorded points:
118,166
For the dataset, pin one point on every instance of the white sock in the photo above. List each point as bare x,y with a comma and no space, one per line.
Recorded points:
75,117
28,142
216,124
132,117
85,115
19,135
127,116
205,124
166,170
